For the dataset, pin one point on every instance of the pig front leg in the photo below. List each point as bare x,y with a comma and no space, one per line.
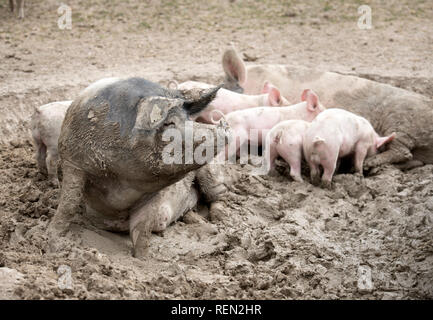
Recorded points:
211,181
51,162
41,148
397,152
157,213
41,156
269,159
142,221
70,200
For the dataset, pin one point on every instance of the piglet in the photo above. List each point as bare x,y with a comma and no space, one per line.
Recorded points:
337,133
253,124
286,140
46,123
227,101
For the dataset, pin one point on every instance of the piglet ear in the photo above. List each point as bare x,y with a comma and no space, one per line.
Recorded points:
266,87
380,141
311,98
234,67
274,96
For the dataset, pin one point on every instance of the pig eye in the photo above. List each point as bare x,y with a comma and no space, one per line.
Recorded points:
169,124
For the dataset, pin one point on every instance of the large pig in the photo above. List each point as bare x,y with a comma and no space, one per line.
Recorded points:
286,140
111,150
46,123
336,133
387,108
253,124
228,101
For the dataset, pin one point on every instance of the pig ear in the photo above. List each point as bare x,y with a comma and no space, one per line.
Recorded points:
233,66
380,141
274,96
312,99
194,104
266,87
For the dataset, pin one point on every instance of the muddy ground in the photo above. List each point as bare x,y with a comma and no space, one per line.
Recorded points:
270,238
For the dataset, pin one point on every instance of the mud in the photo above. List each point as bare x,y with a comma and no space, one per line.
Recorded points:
270,237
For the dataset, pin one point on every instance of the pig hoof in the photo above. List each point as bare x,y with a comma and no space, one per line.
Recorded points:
53,182
140,240
359,175
192,217
141,248
315,181
369,163
217,212
297,178
326,185
273,173
215,193
57,228
60,239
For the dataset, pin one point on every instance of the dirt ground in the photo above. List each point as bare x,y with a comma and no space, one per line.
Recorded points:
270,238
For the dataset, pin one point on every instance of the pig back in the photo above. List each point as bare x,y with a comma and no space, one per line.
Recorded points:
97,134
391,109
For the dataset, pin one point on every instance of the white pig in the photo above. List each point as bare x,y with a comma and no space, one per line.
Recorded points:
253,124
337,133
286,140
228,101
46,123
389,109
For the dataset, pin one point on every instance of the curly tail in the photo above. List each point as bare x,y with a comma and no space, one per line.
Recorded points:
173,84
318,140
215,121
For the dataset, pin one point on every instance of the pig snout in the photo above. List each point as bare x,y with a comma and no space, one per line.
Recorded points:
164,218
210,138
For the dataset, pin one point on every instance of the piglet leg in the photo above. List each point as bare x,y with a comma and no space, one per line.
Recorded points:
269,158
314,173
293,158
41,155
51,162
360,154
329,166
